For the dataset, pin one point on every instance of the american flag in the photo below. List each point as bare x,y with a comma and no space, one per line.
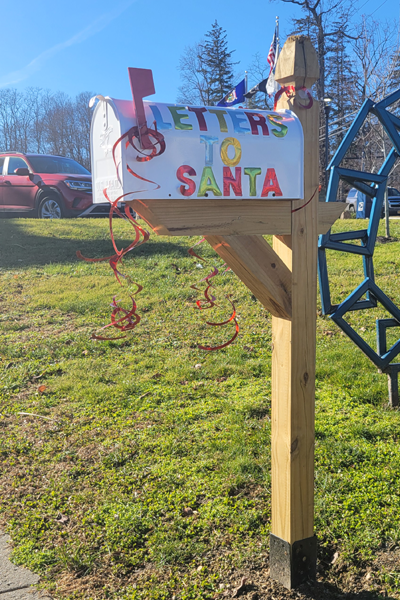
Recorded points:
272,52
269,85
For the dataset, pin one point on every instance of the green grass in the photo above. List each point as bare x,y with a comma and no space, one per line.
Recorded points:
150,476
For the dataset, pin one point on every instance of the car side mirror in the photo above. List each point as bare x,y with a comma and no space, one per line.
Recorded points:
22,171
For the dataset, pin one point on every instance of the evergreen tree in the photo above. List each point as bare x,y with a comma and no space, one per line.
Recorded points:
207,69
340,77
218,62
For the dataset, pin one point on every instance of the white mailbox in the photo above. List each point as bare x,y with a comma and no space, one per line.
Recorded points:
199,152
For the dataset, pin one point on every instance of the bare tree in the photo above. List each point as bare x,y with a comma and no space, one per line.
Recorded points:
195,88
82,119
58,113
376,52
258,71
9,104
39,99
38,121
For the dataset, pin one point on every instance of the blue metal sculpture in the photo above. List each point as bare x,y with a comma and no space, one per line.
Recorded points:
367,294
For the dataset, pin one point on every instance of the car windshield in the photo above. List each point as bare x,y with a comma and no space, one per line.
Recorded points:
56,164
394,192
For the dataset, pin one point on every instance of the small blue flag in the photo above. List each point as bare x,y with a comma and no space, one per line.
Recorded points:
235,96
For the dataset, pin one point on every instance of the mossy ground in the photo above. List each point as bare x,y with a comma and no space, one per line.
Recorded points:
143,468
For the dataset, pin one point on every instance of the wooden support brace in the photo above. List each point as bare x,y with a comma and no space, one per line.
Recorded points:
258,266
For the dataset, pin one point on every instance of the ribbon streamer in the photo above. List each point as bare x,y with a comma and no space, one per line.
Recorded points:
210,302
231,318
122,319
132,134
130,318
308,202
290,92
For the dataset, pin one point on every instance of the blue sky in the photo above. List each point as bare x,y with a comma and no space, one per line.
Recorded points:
87,45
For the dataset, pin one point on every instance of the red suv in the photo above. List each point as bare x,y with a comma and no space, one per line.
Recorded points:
49,187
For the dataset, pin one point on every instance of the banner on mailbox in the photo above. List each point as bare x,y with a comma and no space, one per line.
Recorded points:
197,152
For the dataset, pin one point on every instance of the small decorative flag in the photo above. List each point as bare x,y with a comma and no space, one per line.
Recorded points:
260,87
235,96
272,85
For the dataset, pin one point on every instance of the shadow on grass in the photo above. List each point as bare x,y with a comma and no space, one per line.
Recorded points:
319,590
21,247
328,591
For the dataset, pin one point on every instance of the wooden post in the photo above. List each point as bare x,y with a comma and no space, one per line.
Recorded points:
284,279
293,545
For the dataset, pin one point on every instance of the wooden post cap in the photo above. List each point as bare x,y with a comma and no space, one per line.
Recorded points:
297,63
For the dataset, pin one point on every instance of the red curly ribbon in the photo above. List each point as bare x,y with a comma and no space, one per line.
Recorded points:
210,302
132,134
308,202
193,253
290,92
122,319
130,318
131,324
231,318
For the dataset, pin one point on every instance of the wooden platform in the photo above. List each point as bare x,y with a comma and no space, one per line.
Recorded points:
228,217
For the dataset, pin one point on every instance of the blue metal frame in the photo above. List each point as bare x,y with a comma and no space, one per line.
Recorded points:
374,186
326,304
389,126
381,361
396,120
351,134
391,99
381,326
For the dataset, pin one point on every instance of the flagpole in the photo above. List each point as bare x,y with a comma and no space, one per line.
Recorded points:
246,88
277,44
277,37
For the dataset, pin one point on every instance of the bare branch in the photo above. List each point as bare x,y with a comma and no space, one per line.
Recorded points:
293,2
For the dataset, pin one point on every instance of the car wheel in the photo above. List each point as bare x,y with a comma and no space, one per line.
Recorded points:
50,208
